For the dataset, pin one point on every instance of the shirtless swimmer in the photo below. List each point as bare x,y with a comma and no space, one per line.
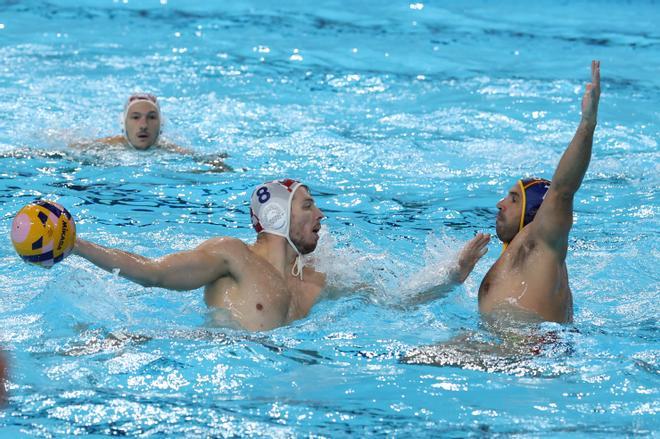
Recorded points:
142,126
533,222
264,285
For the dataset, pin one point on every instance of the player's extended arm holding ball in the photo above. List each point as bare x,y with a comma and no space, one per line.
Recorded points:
44,233
187,270
262,285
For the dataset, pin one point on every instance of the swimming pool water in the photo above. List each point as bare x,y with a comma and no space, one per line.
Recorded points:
408,120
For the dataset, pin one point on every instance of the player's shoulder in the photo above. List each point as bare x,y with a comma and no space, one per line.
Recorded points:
313,276
223,244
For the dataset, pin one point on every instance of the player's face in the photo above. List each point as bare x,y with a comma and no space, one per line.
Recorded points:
305,221
507,223
142,124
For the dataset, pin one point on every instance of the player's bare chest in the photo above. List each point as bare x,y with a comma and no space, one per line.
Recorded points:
492,279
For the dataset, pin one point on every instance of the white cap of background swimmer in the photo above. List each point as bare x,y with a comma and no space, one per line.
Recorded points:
270,211
133,99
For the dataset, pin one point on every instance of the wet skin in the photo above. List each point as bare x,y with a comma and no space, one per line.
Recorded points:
253,283
262,297
531,273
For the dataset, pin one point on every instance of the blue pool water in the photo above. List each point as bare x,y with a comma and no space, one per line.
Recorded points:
408,120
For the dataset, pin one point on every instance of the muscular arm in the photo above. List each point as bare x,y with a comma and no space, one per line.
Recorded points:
555,216
186,270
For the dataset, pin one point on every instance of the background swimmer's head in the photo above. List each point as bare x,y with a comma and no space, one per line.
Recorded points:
519,207
141,120
285,208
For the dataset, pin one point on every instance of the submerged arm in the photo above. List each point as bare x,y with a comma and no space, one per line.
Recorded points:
555,216
173,147
110,140
216,161
186,270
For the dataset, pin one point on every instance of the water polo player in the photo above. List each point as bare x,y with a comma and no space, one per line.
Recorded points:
263,285
141,121
533,222
142,124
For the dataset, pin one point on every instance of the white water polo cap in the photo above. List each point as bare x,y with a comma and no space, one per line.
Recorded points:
134,99
270,212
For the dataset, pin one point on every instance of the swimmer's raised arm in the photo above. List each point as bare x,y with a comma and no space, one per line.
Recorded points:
187,270
470,254
555,216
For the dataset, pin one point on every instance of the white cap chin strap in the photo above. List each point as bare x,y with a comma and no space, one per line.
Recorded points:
297,269
270,207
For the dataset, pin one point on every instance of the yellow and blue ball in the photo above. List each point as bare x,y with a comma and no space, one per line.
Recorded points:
43,233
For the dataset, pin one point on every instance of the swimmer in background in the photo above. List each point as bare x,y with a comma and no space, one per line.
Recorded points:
264,285
142,129
534,220
142,126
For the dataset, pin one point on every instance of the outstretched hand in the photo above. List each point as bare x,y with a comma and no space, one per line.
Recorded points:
592,95
472,251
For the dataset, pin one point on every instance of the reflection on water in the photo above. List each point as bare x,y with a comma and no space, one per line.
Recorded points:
516,350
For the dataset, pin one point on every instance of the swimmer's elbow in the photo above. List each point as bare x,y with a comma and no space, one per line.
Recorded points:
158,280
152,280
153,275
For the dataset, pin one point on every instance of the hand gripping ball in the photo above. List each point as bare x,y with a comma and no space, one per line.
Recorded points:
43,233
